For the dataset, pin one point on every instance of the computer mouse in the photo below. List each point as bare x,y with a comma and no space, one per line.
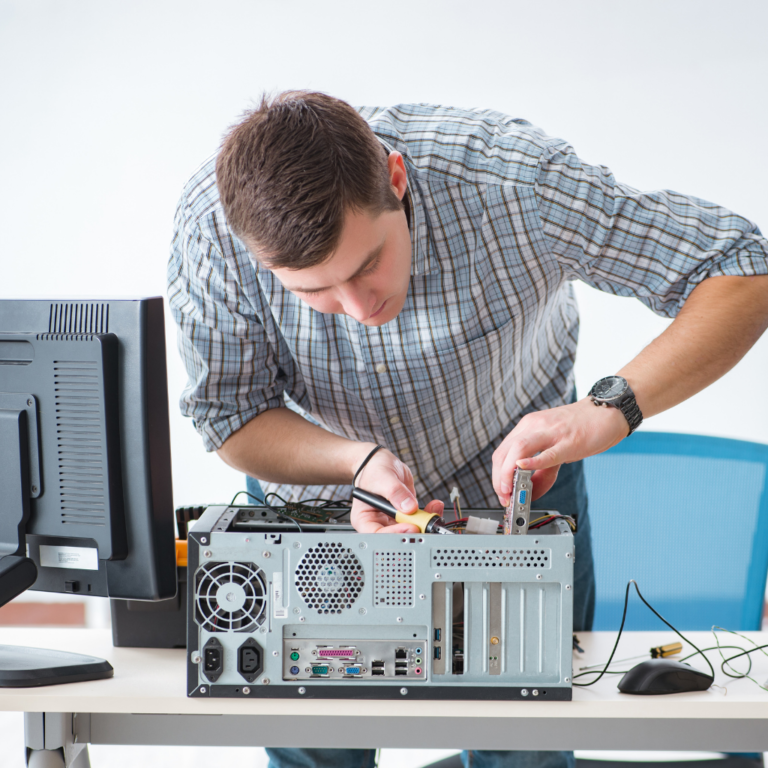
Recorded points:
657,676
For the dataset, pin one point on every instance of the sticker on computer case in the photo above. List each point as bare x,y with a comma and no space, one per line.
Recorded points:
279,611
80,558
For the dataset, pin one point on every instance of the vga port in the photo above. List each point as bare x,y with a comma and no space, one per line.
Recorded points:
352,671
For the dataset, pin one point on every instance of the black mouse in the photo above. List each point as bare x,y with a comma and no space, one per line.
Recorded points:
657,676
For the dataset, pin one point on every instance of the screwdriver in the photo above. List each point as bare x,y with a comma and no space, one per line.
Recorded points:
659,652
427,522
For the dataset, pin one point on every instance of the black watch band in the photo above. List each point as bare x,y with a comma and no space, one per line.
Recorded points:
626,403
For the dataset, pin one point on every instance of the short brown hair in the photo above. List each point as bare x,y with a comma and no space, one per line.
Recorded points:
289,171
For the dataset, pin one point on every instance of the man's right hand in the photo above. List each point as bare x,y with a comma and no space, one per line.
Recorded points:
387,476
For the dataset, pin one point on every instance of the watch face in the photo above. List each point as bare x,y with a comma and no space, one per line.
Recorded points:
609,388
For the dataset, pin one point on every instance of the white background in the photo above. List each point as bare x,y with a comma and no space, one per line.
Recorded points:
106,108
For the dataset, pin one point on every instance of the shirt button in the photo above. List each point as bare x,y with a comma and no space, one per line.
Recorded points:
381,368
394,420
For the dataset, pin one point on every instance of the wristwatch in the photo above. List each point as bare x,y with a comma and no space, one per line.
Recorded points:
615,391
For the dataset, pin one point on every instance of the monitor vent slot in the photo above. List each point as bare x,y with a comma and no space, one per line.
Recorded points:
78,318
464,557
393,579
329,578
80,442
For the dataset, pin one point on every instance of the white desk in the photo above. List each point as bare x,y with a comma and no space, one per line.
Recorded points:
146,703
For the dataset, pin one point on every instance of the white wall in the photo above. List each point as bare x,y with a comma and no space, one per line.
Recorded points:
106,108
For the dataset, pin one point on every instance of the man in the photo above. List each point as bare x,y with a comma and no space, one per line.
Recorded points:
402,277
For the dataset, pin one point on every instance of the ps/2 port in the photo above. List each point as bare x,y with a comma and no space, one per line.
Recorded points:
294,656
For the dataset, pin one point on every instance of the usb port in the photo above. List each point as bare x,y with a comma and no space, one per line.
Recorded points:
377,671
438,632
377,663
400,663
438,652
401,671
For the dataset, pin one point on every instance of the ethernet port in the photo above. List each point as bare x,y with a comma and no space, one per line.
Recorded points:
401,653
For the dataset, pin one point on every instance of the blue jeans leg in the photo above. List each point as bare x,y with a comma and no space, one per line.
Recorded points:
569,497
254,489
321,758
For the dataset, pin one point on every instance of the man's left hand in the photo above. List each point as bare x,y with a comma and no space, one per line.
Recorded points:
544,440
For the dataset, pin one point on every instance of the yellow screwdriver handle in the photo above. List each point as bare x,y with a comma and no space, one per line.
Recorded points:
418,518
662,651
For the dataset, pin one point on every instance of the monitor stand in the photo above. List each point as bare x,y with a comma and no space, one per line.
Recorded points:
22,667
26,667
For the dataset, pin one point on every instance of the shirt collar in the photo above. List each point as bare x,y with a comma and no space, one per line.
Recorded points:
423,257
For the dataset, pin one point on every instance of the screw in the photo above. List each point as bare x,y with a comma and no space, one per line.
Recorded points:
438,576
524,692
567,679
207,553
30,402
567,586
538,575
203,689
263,630
275,653
400,619
422,597
363,545
265,681
568,554
34,489
297,610
203,540
364,670
307,669
341,669
196,658
535,692
246,690
296,544
266,554
404,691
362,611
302,690
301,618
494,640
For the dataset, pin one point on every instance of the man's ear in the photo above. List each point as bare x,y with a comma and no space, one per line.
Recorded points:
398,176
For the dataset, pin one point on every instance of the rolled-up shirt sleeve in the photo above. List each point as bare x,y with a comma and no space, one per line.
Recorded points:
656,246
233,374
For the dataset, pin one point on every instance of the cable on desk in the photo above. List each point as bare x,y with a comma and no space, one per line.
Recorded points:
621,629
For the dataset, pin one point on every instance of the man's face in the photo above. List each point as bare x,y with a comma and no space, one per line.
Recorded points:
368,275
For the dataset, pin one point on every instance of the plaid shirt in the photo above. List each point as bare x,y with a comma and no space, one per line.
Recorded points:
503,218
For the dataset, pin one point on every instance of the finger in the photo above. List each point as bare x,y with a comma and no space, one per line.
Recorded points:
549,457
435,507
399,528
520,448
543,480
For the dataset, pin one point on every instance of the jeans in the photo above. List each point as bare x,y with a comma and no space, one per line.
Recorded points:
567,496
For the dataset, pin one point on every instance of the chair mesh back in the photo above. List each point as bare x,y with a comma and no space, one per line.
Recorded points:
687,518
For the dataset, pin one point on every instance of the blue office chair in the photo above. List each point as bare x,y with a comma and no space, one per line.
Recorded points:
686,516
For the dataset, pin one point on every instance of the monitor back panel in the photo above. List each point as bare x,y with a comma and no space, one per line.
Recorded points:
338,614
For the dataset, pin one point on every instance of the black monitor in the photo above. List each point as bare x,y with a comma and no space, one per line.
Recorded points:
86,502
